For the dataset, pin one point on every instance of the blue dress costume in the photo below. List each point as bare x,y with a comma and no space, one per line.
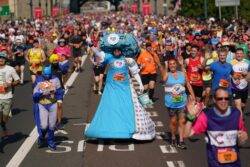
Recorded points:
115,117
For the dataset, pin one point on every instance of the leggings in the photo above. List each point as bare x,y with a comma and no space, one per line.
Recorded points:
48,115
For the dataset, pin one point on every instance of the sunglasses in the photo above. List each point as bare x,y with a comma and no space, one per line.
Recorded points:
222,98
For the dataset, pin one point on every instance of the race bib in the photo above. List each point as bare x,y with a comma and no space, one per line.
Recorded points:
224,83
227,155
2,89
177,98
195,77
119,77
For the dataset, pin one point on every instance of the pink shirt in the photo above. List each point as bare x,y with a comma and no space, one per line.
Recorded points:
63,51
200,125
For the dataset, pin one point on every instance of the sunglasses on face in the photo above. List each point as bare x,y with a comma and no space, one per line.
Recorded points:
222,98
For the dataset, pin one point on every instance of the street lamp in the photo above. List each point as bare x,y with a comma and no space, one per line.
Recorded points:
46,6
205,8
31,9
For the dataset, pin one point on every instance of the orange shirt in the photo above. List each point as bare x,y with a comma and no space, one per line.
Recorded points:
146,60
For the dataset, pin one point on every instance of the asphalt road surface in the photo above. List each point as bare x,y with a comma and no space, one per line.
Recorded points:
79,107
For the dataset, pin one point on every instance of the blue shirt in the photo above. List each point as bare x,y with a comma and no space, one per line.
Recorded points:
220,71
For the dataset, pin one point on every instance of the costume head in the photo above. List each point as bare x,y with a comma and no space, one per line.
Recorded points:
47,72
120,44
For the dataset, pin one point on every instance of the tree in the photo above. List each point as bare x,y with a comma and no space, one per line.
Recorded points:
195,8
75,5
116,3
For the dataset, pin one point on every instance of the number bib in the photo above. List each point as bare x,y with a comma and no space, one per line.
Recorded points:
227,155
119,77
224,83
2,89
195,77
177,98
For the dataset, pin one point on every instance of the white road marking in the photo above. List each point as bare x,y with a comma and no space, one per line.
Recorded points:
158,124
61,131
100,146
175,163
81,146
67,148
21,153
168,149
131,147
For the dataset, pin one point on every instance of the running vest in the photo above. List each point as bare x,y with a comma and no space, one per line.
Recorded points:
238,81
193,72
175,95
35,55
221,138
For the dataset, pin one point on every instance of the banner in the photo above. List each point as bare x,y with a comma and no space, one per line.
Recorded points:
134,8
55,11
66,11
146,9
38,12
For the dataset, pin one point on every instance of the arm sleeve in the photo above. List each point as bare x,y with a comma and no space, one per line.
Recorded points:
200,125
132,65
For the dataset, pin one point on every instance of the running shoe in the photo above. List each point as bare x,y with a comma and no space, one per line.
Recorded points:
40,143
52,147
59,126
182,145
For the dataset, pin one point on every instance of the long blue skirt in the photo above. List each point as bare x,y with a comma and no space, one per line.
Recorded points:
115,116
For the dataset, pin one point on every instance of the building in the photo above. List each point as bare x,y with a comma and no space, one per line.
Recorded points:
159,7
23,8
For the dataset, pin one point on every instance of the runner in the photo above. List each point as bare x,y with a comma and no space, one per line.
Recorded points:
35,57
221,72
76,43
239,82
47,94
99,69
194,72
126,117
19,59
175,100
223,127
8,79
148,62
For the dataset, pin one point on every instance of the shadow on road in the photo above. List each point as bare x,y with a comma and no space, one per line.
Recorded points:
117,141
11,139
59,139
16,111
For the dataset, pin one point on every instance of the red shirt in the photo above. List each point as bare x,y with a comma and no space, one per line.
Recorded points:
194,74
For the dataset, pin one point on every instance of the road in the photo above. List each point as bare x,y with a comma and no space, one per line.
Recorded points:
79,106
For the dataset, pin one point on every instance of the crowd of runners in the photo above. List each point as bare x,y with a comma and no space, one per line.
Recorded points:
200,63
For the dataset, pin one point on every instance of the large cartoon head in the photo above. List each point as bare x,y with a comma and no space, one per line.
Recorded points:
47,71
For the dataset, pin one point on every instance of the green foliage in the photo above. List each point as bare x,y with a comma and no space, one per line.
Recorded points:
195,8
